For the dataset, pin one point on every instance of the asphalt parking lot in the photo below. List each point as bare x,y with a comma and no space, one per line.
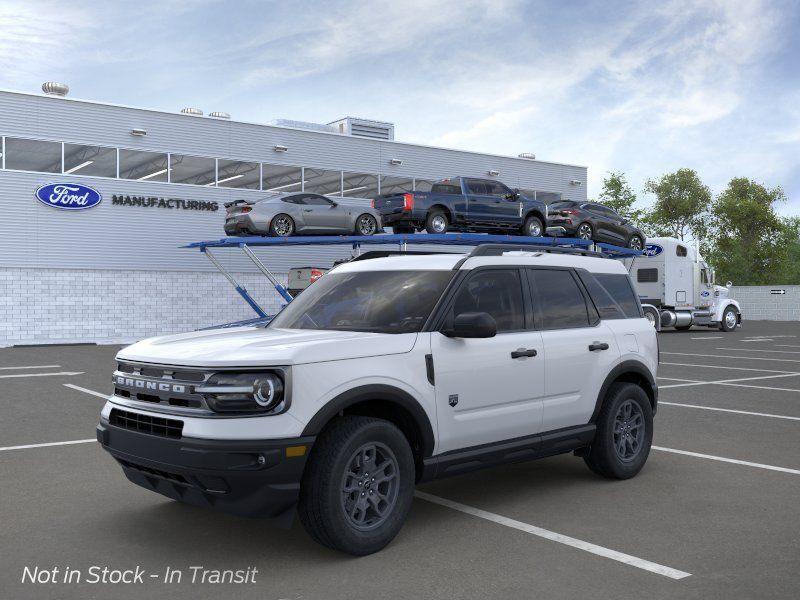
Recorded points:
714,513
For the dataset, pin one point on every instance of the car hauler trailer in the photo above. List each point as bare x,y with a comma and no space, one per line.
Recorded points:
677,288
504,243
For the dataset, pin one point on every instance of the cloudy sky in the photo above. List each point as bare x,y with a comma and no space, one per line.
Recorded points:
641,87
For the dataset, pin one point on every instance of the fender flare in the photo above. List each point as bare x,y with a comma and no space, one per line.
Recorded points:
374,392
724,306
623,368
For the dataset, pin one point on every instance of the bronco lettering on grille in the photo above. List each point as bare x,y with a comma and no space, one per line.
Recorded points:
143,384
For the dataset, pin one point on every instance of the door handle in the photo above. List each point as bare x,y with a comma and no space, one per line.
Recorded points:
308,210
523,352
598,346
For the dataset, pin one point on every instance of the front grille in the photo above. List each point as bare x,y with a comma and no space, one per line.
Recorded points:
169,428
164,385
157,472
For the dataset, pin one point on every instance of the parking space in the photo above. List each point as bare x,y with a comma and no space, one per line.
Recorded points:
712,515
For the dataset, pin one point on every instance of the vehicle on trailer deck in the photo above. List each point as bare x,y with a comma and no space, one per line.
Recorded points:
677,288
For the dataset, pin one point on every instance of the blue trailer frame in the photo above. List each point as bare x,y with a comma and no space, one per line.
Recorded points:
401,240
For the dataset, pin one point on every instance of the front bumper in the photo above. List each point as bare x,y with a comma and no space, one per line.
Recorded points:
248,478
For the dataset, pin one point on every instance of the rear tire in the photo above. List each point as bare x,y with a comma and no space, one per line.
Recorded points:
437,222
342,506
281,226
366,224
624,433
585,231
533,227
730,321
636,243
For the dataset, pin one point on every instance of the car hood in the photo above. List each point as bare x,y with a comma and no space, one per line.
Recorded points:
256,346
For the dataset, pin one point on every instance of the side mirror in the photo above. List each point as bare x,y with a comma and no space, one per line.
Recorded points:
472,325
334,204
729,285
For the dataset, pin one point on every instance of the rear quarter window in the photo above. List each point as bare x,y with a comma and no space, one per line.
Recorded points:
613,295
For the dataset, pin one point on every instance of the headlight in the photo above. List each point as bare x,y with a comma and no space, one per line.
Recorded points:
244,392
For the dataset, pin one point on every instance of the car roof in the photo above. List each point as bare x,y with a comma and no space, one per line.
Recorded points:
445,262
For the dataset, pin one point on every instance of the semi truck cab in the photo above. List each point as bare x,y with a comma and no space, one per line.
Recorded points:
678,287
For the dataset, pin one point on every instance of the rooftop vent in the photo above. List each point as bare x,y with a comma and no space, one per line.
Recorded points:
51,88
377,130
527,155
192,111
219,115
303,125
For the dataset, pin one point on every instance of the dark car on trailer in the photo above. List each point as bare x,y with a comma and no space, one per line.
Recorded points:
594,221
463,204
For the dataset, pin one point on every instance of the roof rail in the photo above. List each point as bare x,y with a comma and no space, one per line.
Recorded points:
499,249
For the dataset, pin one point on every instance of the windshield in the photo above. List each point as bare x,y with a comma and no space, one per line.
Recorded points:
376,301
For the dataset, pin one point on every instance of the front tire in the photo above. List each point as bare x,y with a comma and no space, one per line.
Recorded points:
729,321
533,227
437,222
624,433
358,485
636,243
366,224
281,226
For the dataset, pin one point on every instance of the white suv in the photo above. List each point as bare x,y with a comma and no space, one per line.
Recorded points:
385,373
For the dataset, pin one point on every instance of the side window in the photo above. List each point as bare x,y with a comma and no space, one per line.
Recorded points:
647,275
681,251
316,200
446,188
495,188
299,199
497,292
619,288
560,301
477,187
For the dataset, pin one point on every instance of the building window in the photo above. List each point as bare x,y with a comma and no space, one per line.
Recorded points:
33,155
360,185
280,178
194,170
396,185
423,185
320,181
143,166
90,160
236,174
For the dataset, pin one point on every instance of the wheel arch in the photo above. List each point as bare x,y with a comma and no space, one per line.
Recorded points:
444,208
386,402
535,212
629,371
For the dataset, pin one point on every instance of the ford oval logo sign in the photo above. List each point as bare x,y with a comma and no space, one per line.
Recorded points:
705,293
652,250
68,196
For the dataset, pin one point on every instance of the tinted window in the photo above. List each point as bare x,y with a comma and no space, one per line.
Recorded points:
33,155
561,204
376,301
317,200
681,251
497,292
619,288
647,275
446,188
559,299
495,188
90,160
476,187
294,199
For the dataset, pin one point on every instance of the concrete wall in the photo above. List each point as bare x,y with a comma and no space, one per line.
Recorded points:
760,304
41,306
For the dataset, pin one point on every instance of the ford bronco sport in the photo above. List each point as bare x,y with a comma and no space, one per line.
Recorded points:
386,373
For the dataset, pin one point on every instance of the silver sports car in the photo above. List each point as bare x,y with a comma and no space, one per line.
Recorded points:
300,213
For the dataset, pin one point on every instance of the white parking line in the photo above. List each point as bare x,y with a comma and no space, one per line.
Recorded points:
758,340
730,410
737,357
708,337
41,374
31,367
758,350
557,537
47,444
787,346
727,460
723,367
761,387
727,381
81,389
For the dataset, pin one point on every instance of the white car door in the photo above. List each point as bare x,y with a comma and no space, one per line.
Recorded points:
579,348
489,389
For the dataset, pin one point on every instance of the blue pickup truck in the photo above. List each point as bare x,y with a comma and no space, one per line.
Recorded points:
463,204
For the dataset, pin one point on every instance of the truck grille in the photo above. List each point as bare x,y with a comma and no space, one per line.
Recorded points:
169,428
163,385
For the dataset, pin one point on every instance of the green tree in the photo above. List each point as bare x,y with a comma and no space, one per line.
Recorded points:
681,205
618,195
750,243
